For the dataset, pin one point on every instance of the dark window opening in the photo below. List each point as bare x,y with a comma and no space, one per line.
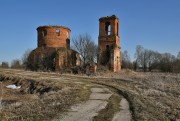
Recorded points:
107,47
44,45
108,28
57,32
44,33
67,43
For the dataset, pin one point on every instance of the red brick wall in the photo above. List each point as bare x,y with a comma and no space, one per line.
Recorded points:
115,64
66,58
53,36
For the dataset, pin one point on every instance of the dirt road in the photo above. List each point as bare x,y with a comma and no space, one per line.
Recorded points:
97,101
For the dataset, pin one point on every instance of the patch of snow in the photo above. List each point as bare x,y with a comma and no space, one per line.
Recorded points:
13,86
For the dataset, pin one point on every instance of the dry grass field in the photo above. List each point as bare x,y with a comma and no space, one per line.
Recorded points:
152,96
37,99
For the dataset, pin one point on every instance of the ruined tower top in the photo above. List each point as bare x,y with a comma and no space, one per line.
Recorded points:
109,26
53,36
109,17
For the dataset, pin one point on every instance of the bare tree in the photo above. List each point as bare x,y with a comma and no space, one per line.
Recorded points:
126,61
25,60
176,66
154,59
146,59
150,60
5,64
166,63
139,56
16,64
86,48
178,55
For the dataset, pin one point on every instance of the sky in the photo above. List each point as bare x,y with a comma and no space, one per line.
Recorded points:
154,24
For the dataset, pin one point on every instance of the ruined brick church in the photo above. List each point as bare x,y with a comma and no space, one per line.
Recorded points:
54,46
53,49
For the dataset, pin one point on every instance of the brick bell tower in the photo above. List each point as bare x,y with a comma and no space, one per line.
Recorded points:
109,43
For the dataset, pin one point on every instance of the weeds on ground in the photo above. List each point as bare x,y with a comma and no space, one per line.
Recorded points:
52,98
154,96
111,108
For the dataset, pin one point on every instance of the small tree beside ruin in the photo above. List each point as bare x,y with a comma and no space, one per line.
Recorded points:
25,58
16,64
86,47
126,61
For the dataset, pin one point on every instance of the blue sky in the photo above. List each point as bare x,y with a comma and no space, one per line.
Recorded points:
154,24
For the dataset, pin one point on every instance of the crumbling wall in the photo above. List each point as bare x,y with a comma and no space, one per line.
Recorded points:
115,60
91,68
42,59
66,58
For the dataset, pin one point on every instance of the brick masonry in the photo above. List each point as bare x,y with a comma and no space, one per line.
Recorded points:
53,36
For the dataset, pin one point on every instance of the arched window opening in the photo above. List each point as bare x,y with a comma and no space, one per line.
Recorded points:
67,43
107,47
108,28
57,32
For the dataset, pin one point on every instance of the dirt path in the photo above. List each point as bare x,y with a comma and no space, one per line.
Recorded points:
97,101
124,114
86,111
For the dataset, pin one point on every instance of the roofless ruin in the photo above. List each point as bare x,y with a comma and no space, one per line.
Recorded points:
53,47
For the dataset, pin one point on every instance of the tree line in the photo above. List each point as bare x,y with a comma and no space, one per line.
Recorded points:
17,63
149,60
